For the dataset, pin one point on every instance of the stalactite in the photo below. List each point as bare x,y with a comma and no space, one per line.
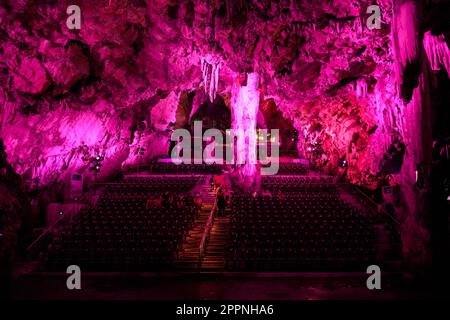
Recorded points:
405,39
2,113
437,51
361,88
216,77
358,25
210,71
211,83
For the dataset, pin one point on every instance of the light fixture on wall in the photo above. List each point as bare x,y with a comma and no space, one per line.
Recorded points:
295,135
96,165
343,163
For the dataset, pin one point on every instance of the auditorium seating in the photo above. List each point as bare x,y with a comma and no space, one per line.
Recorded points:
298,223
120,233
171,168
292,169
310,228
326,185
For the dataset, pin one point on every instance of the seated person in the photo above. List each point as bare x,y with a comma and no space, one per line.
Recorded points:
152,202
280,195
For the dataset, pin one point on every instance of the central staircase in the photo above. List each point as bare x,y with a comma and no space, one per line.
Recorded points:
189,255
216,248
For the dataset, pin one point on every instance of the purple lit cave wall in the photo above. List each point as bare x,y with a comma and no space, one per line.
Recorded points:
138,69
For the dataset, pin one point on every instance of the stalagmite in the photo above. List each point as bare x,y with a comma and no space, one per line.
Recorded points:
244,108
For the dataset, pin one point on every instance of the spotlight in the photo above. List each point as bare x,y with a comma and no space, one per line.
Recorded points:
343,163
98,158
96,167
61,213
96,163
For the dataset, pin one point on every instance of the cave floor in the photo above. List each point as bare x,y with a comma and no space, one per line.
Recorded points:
214,286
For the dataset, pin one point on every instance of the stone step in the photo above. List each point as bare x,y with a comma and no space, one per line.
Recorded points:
188,257
213,265
215,255
213,259
216,249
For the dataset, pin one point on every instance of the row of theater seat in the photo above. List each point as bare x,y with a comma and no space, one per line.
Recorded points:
310,230
171,168
298,180
276,186
121,233
142,185
292,169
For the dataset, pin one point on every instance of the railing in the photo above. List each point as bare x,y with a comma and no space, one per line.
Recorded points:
372,203
206,232
40,243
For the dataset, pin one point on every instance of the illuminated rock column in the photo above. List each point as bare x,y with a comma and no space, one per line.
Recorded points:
413,88
244,108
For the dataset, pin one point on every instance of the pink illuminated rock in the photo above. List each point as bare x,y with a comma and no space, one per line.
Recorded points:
138,69
164,112
31,77
318,63
437,51
244,108
67,66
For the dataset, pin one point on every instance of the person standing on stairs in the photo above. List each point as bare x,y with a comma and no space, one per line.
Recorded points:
221,202
198,201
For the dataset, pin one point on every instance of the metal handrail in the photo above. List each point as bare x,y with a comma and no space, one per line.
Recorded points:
206,232
44,234
368,199
51,228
